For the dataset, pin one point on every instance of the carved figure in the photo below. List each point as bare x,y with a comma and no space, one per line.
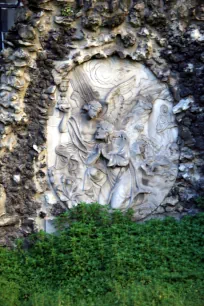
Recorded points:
97,174
117,168
64,85
117,150
115,137
65,108
165,120
93,109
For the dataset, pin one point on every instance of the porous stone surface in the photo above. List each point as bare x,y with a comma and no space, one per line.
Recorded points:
49,40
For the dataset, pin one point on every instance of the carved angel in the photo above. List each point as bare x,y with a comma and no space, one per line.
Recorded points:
126,100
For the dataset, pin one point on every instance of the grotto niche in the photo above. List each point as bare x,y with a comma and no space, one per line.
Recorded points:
101,101
112,137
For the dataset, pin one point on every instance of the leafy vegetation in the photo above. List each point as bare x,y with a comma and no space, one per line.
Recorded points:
102,258
200,202
67,11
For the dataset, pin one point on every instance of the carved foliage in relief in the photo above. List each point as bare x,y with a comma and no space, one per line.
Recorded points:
112,137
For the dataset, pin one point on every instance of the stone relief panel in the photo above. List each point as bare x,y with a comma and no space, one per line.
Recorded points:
112,137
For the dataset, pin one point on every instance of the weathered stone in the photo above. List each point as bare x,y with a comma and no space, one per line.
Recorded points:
64,21
2,200
183,105
159,210
169,43
20,63
21,54
169,208
128,40
79,35
170,201
17,178
8,220
92,22
13,81
24,43
186,153
51,90
114,21
156,18
199,143
26,32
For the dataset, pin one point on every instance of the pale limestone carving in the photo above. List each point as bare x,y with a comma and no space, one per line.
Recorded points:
165,120
112,137
93,109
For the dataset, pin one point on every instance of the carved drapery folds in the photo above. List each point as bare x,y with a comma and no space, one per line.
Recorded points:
112,137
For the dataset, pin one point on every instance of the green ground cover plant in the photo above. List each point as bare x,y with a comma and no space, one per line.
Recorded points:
102,258
200,202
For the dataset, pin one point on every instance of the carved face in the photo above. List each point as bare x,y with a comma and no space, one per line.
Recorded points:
164,109
93,112
64,85
101,133
93,109
103,130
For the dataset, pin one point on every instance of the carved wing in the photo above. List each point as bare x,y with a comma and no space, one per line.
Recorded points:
82,91
119,100
153,91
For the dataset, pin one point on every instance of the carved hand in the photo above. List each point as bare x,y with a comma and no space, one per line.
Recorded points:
64,108
94,156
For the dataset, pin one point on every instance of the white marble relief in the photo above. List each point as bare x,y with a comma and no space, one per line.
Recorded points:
112,137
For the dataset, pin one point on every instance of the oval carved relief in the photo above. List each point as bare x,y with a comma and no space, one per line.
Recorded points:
112,137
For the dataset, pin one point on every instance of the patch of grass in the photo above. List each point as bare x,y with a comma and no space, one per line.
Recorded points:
102,258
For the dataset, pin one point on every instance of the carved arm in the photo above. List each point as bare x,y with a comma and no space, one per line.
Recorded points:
94,155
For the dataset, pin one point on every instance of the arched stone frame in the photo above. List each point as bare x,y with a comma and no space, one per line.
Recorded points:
22,189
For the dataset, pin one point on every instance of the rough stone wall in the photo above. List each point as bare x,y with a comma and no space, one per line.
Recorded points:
167,36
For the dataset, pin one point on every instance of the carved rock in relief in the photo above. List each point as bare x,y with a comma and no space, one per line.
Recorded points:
112,137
